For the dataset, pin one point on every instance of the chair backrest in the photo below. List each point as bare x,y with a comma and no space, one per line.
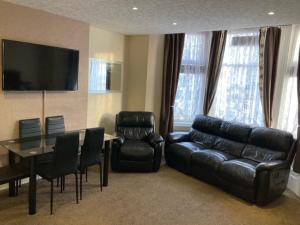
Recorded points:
135,125
30,128
55,125
92,146
65,155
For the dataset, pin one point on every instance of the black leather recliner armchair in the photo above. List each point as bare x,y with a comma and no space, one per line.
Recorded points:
139,148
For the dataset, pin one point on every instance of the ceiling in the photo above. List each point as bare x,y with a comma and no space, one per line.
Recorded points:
157,16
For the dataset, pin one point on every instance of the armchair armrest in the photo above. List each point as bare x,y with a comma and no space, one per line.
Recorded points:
177,137
273,165
154,139
120,140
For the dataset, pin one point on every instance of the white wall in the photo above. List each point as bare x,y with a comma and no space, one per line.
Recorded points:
143,85
102,107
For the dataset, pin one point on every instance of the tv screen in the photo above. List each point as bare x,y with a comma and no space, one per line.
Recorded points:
33,67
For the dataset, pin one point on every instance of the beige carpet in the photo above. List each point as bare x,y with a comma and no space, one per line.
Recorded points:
164,198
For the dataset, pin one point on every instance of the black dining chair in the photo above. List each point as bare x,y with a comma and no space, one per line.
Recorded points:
65,162
30,128
55,125
91,152
13,173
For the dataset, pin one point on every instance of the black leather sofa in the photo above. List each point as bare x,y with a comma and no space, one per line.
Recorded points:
252,163
139,148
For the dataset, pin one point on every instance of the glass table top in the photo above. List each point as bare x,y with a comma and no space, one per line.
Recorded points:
39,145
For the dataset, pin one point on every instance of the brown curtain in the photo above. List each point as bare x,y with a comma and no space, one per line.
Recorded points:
296,166
269,41
217,49
173,50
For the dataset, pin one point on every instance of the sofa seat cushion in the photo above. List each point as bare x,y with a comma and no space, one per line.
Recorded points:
184,149
136,151
260,154
180,153
211,159
239,171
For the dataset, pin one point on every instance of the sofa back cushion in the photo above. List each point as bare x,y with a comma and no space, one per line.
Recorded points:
275,140
235,131
204,139
267,144
232,147
259,154
207,124
258,144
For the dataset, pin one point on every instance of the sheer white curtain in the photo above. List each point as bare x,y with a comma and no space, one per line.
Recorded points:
237,97
288,109
192,78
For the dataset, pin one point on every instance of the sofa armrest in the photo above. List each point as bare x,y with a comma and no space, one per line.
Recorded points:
155,138
271,181
273,165
175,137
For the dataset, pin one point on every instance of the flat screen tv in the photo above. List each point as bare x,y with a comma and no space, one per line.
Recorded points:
34,67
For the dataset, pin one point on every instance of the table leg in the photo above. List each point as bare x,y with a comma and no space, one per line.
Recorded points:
32,187
12,184
106,163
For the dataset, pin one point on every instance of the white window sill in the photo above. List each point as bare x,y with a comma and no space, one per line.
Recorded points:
180,126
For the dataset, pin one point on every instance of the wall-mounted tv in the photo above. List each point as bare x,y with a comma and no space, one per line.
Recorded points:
34,67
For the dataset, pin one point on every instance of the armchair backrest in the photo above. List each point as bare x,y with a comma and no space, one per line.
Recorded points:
135,125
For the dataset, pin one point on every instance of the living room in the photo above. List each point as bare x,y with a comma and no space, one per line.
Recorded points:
210,85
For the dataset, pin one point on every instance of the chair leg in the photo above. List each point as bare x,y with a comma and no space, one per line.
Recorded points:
100,166
16,187
57,181
20,182
76,181
86,175
61,184
64,182
80,185
51,198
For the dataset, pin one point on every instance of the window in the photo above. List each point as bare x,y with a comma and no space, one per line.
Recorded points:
191,84
238,97
288,110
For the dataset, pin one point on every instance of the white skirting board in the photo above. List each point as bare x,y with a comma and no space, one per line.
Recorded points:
294,183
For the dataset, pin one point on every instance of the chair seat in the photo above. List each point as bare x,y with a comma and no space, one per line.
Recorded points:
12,172
136,151
84,164
47,158
46,171
239,171
210,158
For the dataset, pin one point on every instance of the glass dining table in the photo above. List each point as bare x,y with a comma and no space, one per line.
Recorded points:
30,148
